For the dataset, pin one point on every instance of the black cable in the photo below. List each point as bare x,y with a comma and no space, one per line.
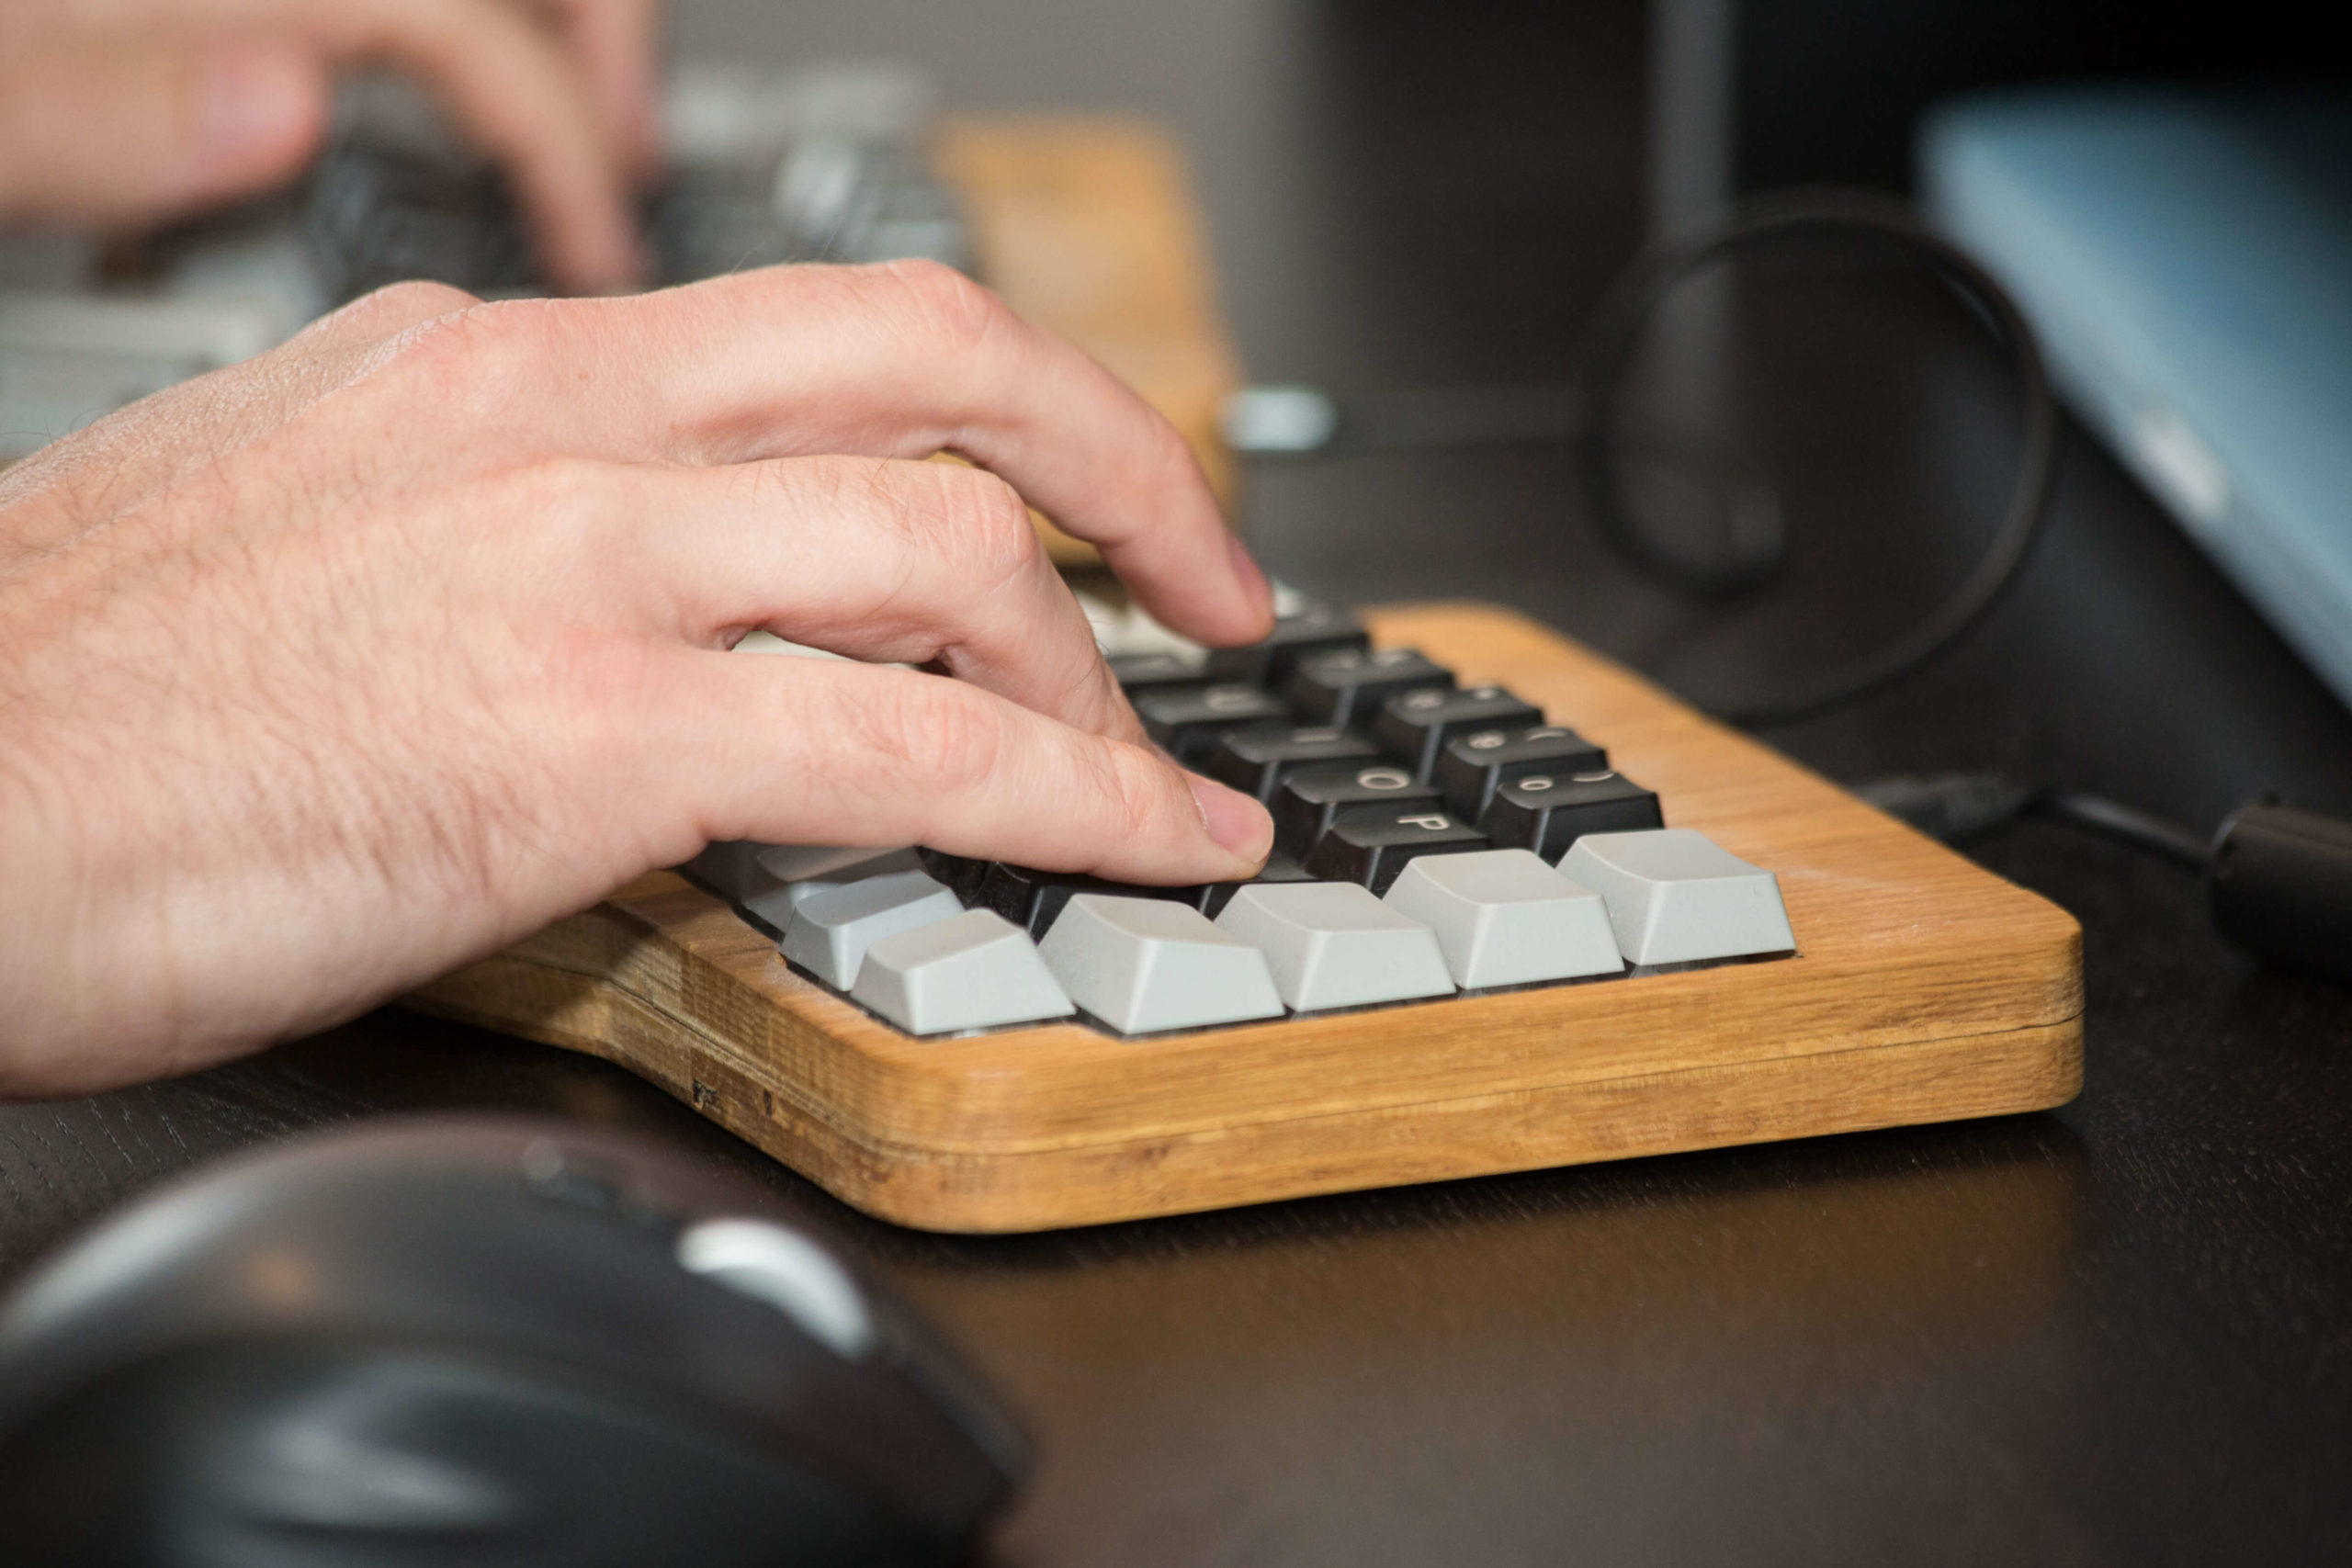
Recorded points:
1956,807
2129,825
1616,333
1298,422
2277,877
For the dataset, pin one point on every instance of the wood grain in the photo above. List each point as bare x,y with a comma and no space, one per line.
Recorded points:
1924,989
1088,227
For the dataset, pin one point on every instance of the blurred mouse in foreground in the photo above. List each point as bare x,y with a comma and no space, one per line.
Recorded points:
469,1341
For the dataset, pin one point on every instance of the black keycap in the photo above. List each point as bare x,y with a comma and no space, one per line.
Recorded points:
1279,868
1374,848
960,874
1411,727
1315,628
1474,762
1340,688
1141,672
1309,801
1190,724
1256,761
1033,900
1548,812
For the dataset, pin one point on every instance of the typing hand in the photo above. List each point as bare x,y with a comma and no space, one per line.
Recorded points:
118,112
330,672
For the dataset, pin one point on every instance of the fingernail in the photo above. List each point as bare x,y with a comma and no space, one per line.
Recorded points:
1252,576
249,98
1238,823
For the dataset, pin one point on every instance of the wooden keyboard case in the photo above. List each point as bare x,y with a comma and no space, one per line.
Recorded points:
1924,989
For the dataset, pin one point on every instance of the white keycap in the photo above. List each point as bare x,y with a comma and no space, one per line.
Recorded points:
795,873
830,934
975,971
1144,965
1506,919
1332,944
1677,897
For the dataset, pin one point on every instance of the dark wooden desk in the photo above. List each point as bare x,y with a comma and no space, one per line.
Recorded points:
2118,1333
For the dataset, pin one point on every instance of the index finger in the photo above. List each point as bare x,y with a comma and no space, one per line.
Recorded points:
899,360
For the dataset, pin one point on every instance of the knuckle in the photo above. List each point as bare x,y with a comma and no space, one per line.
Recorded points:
1174,453
983,524
937,730
1164,459
1139,788
1117,792
479,356
566,494
416,300
945,303
395,307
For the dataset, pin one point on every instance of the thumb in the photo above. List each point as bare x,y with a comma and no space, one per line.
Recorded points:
136,135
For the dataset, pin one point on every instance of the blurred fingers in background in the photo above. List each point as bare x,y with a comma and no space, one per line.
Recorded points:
125,112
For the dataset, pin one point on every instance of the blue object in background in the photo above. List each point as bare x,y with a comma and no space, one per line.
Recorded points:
2185,258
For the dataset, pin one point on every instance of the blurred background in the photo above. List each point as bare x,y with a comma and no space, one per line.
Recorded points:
1405,195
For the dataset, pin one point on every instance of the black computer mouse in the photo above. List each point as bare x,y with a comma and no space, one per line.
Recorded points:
470,1340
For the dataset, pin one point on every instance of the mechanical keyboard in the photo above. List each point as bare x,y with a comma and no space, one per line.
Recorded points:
1764,958
1434,838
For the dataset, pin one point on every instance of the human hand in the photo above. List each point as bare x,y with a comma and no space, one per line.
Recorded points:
117,112
332,670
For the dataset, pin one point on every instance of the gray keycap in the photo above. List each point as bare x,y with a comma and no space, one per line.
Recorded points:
975,971
1506,919
830,934
1677,897
1332,944
797,873
1144,965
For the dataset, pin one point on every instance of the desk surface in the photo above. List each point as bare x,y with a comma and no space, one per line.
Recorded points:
2117,1334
